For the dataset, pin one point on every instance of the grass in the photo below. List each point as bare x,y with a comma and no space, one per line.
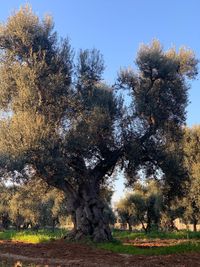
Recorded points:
117,245
118,234
29,236
128,249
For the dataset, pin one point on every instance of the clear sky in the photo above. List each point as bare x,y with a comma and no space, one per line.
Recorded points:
118,27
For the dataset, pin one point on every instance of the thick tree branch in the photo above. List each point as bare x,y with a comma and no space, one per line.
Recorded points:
104,166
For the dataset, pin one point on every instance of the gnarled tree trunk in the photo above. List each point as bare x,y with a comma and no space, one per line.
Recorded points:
88,216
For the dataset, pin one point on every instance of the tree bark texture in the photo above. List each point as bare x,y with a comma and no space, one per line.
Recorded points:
88,216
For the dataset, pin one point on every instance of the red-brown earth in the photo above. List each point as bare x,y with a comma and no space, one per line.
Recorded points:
61,253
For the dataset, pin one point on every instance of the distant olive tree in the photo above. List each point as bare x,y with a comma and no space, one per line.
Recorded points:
191,201
6,194
34,205
143,206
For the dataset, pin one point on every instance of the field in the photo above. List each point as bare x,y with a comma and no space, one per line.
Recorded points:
48,248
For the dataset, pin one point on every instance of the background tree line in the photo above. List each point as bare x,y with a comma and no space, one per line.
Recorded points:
27,206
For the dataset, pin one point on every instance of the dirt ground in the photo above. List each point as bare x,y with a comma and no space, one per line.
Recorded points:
60,254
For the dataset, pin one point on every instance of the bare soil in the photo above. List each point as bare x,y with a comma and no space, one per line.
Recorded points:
61,254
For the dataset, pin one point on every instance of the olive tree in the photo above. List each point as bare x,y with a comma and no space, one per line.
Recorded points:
35,205
144,206
125,212
191,201
66,126
6,194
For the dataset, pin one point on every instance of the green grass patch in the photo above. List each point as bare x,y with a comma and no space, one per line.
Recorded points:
128,249
156,234
29,236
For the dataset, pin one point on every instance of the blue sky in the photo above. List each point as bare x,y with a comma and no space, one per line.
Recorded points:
118,27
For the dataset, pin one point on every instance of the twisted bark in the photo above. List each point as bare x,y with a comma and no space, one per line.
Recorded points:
88,216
